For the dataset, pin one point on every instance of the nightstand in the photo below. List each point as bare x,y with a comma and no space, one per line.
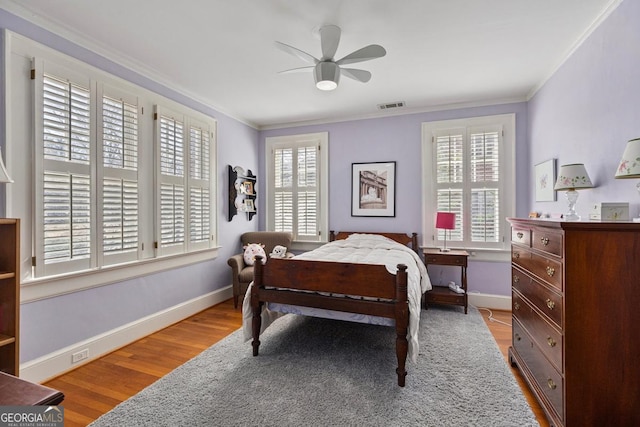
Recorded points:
442,294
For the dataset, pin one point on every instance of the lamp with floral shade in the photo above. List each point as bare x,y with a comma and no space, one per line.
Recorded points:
629,166
571,178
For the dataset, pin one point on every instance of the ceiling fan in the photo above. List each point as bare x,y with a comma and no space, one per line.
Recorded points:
326,70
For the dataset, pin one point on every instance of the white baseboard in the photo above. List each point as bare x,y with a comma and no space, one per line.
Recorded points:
51,365
495,302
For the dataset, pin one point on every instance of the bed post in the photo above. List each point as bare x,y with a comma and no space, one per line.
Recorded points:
256,304
402,322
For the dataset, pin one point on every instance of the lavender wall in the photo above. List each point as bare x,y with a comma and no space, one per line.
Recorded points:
399,139
590,108
51,324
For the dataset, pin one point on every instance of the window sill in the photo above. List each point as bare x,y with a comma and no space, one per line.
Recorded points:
40,288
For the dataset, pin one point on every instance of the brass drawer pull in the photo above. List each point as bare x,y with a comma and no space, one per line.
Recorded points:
551,384
550,304
516,305
516,278
520,235
518,338
544,241
551,342
550,271
516,255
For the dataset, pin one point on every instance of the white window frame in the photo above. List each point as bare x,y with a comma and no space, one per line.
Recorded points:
321,140
21,134
487,252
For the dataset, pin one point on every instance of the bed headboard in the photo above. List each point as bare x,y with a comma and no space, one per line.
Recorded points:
405,239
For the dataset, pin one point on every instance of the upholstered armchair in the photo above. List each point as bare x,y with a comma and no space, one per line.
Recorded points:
242,273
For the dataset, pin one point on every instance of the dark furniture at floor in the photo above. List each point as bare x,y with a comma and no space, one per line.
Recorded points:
442,294
241,273
10,295
18,392
575,306
364,280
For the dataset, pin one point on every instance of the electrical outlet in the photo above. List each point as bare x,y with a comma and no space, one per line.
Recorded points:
81,355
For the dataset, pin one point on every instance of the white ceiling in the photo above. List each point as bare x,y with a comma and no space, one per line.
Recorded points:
440,53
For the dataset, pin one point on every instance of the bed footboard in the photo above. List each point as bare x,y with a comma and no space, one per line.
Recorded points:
279,279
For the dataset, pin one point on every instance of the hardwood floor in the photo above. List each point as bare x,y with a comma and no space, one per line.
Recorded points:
495,320
97,387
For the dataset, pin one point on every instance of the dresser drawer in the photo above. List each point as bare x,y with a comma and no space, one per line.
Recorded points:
447,258
543,298
521,257
521,236
548,339
547,269
547,241
549,380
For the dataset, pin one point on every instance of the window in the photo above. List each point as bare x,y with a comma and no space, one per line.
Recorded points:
119,190
91,173
297,179
468,170
184,191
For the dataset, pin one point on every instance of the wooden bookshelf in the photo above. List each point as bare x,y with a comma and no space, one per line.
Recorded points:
10,295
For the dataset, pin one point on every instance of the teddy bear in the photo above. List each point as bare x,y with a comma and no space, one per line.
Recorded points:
278,251
250,252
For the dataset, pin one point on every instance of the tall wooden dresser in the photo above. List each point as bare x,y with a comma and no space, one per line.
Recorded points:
576,318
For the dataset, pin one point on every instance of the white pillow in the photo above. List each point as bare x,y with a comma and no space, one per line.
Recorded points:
250,252
365,236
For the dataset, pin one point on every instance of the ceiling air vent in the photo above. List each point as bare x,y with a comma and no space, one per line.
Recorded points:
391,105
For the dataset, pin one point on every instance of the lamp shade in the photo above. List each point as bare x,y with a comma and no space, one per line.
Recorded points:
573,177
4,176
630,164
446,220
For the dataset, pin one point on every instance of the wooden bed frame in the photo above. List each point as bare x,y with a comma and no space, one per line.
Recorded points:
337,277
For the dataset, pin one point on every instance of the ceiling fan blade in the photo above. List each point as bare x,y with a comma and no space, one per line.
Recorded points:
297,52
359,75
297,70
329,39
372,51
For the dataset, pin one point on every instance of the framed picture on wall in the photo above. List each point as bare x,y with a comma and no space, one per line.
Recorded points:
373,189
545,179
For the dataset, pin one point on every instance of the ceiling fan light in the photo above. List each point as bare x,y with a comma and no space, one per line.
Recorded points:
327,75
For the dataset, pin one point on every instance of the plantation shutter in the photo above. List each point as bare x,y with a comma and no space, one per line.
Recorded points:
170,145
296,190
200,139
307,193
484,182
119,217
467,182
64,195
449,158
283,197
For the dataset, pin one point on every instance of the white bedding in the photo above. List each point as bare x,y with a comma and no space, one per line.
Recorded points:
363,249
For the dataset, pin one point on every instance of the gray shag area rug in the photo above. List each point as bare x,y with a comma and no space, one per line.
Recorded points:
319,372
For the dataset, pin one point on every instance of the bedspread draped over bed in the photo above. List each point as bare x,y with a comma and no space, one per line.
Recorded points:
362,249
